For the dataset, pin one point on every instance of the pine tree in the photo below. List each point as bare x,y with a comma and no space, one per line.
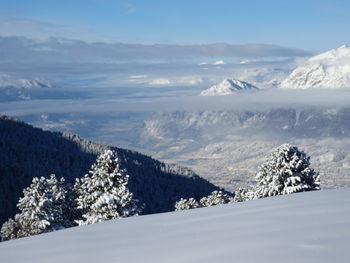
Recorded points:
215,198
9,230
102,194
243,194
185,204
43,208
286,171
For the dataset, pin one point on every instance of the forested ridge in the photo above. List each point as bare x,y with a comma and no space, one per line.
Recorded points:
28,152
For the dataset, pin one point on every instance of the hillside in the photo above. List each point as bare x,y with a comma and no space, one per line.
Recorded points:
28,152
305,227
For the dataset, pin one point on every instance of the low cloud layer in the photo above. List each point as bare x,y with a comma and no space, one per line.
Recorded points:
80,63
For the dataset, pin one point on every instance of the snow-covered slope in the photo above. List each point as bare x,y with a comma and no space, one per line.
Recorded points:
227,87
327,70
305,227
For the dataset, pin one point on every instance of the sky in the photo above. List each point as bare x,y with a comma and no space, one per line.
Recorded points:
314,25
157,43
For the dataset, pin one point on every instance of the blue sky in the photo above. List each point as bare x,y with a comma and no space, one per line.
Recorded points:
311,25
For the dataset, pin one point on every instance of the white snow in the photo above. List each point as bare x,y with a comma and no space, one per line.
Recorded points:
304,227
227,87
327,70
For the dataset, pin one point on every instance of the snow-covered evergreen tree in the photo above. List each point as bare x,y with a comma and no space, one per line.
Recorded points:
43,208
103,194
286,171
9,230
215,198
243,194
185,204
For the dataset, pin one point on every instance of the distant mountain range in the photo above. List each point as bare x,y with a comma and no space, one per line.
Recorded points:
228,87
28,152
327,70
12,88
15,89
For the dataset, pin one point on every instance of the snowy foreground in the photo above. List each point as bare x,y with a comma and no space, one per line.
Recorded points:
303,227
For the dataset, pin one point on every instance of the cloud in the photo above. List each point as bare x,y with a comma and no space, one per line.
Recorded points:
160,81
39,30
77,50
77,63
27,28
219,62
138,76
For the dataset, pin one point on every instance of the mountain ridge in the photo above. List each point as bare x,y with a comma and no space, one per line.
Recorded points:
327,70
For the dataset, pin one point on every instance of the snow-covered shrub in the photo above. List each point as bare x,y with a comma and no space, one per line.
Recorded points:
286,171
185,204
102,194
43,208
9,230
215,198
243,194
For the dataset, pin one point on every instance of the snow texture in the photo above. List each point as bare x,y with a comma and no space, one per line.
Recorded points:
303,227
227,87
327,70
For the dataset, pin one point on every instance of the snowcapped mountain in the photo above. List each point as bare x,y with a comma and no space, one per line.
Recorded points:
16,89
305,227
10,81
12,88
327,70
227,87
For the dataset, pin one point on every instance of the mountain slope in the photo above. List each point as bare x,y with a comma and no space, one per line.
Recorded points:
27,152
305,227
327,70
227,87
